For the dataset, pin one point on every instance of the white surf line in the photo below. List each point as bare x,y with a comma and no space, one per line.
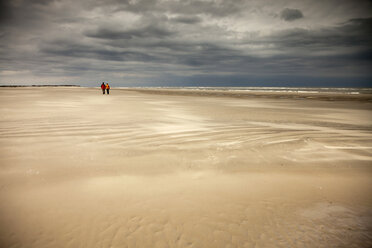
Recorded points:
348,147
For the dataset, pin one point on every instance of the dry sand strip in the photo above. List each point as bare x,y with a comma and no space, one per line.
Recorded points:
82,169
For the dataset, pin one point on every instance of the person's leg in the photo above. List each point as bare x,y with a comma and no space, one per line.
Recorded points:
108,91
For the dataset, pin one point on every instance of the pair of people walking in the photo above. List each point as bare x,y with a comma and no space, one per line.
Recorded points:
105,87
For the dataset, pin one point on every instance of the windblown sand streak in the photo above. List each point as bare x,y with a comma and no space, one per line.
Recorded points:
79,169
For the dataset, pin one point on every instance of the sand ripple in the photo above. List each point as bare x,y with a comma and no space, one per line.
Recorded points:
79,169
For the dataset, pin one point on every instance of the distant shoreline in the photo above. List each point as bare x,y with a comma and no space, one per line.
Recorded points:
40,85
362,94
325,96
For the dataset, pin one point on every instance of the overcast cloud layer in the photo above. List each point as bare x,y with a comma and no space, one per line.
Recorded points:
186,42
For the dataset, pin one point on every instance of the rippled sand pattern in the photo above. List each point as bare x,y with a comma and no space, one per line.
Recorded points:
82,169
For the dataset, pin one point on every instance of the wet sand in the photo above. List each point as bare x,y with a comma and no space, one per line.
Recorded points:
147,169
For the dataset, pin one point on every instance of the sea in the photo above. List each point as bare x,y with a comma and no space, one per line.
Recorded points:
351,91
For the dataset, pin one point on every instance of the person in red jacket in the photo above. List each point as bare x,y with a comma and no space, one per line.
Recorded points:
103,87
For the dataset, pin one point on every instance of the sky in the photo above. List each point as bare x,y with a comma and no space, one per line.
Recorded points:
308,43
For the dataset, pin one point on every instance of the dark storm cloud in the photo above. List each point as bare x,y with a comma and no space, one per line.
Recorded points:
207,56
5,12
184,39
187,19
214,8
22,17
291,14
355,33
65,48
187,7
42,2
145,32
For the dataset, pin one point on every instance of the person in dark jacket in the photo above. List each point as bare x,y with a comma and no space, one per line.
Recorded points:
103,88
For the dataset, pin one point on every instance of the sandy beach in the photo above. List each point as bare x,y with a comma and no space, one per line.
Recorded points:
140,168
